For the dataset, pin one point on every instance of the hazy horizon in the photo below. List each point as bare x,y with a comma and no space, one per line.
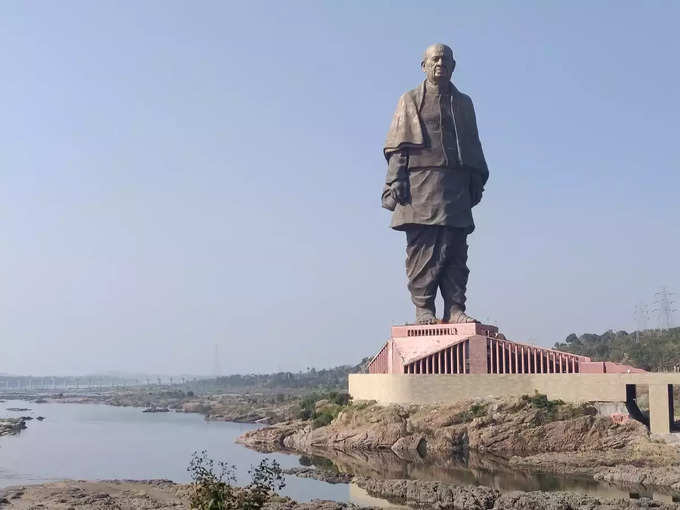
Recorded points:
177,176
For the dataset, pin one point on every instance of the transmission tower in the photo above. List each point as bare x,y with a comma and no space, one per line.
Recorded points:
217,370
641,314
663,306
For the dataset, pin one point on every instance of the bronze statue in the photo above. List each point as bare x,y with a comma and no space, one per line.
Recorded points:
436,173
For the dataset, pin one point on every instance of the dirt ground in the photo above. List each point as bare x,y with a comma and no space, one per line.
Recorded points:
108,495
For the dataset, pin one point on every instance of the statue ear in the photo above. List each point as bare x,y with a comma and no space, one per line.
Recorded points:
453,67
422,65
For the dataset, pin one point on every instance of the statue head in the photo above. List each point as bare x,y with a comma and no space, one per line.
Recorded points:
438,63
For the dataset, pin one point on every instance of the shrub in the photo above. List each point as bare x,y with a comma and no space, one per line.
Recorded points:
322,419
267,478
211,487
210,490
541,402
475,411
328,413
341,399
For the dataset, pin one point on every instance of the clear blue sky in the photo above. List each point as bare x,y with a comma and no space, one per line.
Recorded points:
175,175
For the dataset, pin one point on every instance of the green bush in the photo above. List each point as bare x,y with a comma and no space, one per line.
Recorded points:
210,490
322,419
476,410
266,479
326,415
549,408
341,399
211,487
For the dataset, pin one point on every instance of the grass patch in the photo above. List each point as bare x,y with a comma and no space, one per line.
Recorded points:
555,410
476,410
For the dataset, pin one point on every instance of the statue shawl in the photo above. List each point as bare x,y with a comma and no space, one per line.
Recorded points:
406,131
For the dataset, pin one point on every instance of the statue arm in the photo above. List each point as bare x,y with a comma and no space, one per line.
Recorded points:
396,180
397,166
479,173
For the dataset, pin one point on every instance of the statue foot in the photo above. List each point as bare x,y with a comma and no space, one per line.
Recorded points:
459,316
425,316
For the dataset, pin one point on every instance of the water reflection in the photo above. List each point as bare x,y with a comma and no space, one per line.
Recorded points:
471,469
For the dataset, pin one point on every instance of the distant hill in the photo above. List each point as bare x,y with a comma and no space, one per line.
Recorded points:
651,350
324,379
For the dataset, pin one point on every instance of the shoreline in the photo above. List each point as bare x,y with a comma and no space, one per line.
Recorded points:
168,495
256,408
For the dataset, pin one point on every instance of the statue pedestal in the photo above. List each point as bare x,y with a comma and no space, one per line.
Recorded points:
435,349
469,348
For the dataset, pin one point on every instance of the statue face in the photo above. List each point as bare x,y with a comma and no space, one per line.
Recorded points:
438,63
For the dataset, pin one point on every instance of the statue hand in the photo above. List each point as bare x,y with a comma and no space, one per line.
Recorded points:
476,194
400,191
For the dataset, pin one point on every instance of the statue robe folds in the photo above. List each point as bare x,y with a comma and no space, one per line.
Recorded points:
437,217
406,132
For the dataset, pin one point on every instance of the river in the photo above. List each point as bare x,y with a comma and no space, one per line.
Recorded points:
98,442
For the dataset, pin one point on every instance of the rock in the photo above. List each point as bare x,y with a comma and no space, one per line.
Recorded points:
156,410
412,447
11,426
18,409
431,494
270,439
628,475
320,474
320,404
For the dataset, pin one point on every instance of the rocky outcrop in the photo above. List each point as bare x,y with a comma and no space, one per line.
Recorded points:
319,474
507,427
11,426
434,494
431,494
651,477
533,434
271,439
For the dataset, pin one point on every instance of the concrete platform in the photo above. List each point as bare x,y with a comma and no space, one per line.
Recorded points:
570,387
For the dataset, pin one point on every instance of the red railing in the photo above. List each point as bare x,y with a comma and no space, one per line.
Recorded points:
379,364
504,357
452,360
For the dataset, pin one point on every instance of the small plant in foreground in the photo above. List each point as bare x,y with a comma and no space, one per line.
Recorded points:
212,489
267,479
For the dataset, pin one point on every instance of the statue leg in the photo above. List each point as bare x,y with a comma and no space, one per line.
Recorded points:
454,277
423,266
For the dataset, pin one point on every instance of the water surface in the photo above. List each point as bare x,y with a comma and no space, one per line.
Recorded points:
96,442
91,442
